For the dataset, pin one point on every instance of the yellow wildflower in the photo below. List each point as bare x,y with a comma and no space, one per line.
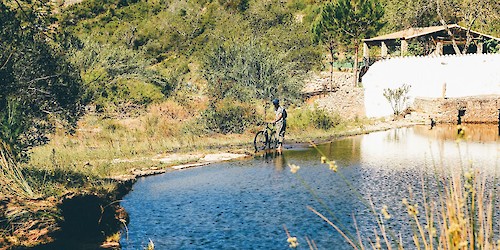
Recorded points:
468,175
333,166
454,227
293,242
293,168
431,230
151,245
323,159
462,244
461,132
464,128
413,210
385,213
405,201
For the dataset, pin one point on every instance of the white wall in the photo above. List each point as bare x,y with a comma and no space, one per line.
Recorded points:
467,75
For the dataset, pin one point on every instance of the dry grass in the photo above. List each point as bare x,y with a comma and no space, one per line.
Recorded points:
112,147
12,180
106,147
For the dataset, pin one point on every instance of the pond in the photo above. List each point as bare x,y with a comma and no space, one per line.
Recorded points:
246,204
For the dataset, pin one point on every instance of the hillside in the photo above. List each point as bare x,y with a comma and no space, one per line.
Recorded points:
166,43
172,39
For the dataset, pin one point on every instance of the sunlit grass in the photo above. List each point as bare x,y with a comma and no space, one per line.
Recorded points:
12,179
108,147
151,245
97,149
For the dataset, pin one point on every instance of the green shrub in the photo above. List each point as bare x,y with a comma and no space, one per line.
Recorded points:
193,128
301,119
247,71
322,120
114,75
111,126
229,116
298,119
39,89
398,98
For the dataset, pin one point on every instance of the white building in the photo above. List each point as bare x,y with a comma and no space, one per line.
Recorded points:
435,75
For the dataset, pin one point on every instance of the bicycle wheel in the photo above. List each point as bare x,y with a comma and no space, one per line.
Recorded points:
273,141
260,141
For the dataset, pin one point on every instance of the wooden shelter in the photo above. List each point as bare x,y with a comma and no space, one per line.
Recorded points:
436,38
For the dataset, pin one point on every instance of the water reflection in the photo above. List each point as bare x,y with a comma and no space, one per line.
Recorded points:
278,159
346,151
279,162
485,133
419,147
244,204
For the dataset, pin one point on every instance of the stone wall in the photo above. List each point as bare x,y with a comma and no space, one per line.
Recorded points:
478,109
344,99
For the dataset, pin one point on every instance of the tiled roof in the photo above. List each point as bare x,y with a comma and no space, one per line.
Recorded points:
416,32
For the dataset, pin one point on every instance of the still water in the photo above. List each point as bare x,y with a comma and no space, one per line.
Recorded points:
245,204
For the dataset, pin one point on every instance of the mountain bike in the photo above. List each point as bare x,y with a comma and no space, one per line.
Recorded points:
266,138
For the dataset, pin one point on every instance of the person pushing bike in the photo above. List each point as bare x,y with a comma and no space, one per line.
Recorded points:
280,122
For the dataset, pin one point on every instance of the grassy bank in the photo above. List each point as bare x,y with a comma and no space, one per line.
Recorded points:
103,146
112,144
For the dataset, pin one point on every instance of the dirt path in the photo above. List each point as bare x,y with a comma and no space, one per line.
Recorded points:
178,161
192,160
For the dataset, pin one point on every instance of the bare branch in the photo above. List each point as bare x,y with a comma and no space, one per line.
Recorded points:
39,90
22,9
468,34
441,19
7,61
43,78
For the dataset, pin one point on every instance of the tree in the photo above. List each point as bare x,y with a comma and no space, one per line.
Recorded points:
239,5
240,74
353,21
404,14
114,75
248,71
324,31
469,13
38,85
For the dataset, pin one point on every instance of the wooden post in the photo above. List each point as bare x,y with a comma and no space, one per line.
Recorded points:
479,48
443,93
404,47
383,48
356,54
439,48
366,51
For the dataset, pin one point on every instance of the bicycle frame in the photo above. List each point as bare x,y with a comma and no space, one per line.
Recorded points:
265,138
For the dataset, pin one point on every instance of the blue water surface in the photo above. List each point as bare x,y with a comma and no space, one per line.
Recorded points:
248,204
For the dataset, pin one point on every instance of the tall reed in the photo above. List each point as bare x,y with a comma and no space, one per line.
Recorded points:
456,210
12,179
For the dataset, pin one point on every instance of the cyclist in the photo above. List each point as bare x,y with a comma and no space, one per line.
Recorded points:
280,122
